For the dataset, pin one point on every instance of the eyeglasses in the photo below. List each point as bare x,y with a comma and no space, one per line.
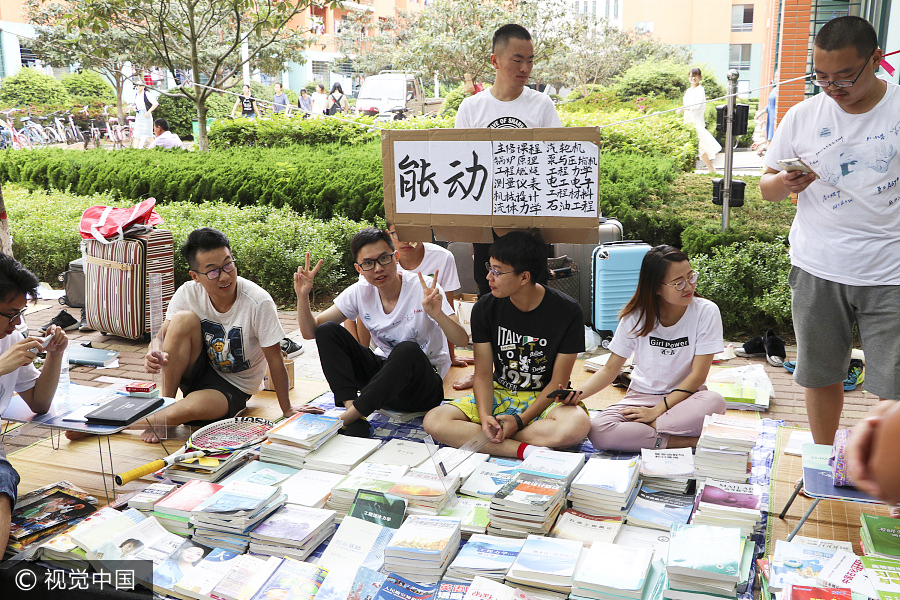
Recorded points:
15,316
383,260
214,273
680,285
494,272
844,83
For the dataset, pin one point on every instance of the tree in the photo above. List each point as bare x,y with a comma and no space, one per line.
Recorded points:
370,44
62,40
204,38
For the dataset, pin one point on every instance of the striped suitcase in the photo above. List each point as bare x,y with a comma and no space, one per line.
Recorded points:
614,276
117,285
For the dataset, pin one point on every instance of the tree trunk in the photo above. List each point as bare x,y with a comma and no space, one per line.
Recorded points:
5,239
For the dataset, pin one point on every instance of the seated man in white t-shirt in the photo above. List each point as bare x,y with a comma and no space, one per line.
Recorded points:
409,320
427,259
164,138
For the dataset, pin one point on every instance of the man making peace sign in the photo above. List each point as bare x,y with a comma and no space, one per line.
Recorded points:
409,320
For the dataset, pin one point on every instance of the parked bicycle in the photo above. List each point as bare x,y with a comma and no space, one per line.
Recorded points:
94,137
116,133
10,137
72,133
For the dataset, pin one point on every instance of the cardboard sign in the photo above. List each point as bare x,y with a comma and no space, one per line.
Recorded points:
467,184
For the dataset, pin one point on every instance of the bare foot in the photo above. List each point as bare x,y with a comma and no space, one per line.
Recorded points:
76,435
464,383
148,436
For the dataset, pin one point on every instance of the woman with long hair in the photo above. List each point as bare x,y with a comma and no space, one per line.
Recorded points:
694,109
673,335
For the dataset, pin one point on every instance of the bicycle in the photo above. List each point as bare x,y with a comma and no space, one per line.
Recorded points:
35,132
73,134
115,133
94,136
12,138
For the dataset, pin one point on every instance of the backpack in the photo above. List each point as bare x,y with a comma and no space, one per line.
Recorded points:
336,106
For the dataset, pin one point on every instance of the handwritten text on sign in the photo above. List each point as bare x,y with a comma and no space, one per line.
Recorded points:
522,178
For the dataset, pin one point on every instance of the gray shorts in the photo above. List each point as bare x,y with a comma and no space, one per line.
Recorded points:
824,314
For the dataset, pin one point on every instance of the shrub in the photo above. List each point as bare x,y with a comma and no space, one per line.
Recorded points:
665,78
268,243
29,86
453,100
276,130
89,84
749,282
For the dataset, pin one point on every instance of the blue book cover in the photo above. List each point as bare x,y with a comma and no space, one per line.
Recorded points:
659,509
553,557
293,580
366,584
488,553
303,426
399,588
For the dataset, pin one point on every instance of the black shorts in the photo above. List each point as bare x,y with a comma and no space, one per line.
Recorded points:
204,377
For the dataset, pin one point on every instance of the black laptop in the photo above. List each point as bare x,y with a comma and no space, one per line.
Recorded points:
123,411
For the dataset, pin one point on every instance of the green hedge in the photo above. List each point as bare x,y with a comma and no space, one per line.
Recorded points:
319,182
280,131
29,86
268,243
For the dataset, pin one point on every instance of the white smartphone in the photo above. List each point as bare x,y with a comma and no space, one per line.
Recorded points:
794,164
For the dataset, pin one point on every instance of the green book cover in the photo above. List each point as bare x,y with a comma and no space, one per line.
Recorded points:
882,533
378,507
716,551
471,512
884,574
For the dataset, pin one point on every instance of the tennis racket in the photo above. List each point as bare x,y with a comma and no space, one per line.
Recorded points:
227,435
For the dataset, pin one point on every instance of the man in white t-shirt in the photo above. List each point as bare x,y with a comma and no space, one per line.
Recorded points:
164,138
409,320
845,238
507,104
221,332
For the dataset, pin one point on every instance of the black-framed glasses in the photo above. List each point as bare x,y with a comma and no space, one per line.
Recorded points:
383,260
494,272
214,273
14,316
680,285
843,83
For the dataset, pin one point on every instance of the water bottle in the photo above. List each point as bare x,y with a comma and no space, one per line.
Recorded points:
62,388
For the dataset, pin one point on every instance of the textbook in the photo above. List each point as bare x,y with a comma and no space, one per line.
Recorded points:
456,462
378,507
422,548
94,357
553,463
846,570
245,577
547,563
587,529
616,570
238,498
881,535
369,476
728,504
796,564
150,495
482,588
400,452
341,453
92,537
366,584
396,587
884,575
805,592
293,528
606,479
200,581
641,537
705,552
659,509
305,430
425,492
352,543
309,487
670,463
292,580
261,473
472,514
487,479
485,555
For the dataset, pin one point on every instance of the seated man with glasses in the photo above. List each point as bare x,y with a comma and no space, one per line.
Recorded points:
408,318
526,338
17,371
221,332
844,240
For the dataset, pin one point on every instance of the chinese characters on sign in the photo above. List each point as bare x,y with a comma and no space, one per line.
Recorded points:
519,178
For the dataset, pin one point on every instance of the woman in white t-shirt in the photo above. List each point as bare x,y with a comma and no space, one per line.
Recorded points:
673,336
319,100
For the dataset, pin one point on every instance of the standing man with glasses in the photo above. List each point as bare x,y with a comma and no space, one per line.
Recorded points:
221,332
408,318
845,239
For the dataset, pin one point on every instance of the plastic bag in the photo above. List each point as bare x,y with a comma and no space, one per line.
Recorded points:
592,339
749,376
107,224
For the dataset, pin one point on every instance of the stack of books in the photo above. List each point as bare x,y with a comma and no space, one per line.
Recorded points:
728,504
292,440
552,463
546,565
378,507
200,581
605,486
528,504
611,572
487,479
400,452
293,531
422,548
309,487
472,514
738,397
426,493
258,471
70,548
341,454
367,476
208,468
224,520
488,556
150,495
670,470
723,451
587,529
704,562
880,536
659,509
174,511
290,579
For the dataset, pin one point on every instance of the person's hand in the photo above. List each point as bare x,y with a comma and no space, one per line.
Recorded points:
432,298
304,277
59,341
493,429
796,181
20,354
462,361
155,360
572,399
640,414
859,449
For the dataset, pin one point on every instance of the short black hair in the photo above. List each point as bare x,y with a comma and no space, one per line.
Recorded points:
303,91
369,235
523,251
16,279
203,240
506,33
162,124
842,32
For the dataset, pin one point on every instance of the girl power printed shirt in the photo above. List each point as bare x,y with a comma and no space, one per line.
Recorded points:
525,344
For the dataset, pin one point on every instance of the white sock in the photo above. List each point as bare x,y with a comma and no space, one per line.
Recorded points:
531,449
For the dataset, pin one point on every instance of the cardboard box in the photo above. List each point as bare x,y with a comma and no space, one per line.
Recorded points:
464,304
467,185
289,365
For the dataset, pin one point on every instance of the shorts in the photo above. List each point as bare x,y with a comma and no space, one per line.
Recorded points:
204,377
9,482
824,313
505,403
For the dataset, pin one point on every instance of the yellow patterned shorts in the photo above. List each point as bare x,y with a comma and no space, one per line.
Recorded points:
505,403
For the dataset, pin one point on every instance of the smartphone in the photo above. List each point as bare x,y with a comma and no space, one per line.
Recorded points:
794,164
559,393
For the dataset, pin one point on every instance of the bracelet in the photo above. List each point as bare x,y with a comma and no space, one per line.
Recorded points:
685,391
519,421
666,403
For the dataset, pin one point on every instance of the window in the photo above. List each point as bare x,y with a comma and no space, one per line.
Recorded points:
742,17
644,27
615,9
739,57
321,71
607,9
